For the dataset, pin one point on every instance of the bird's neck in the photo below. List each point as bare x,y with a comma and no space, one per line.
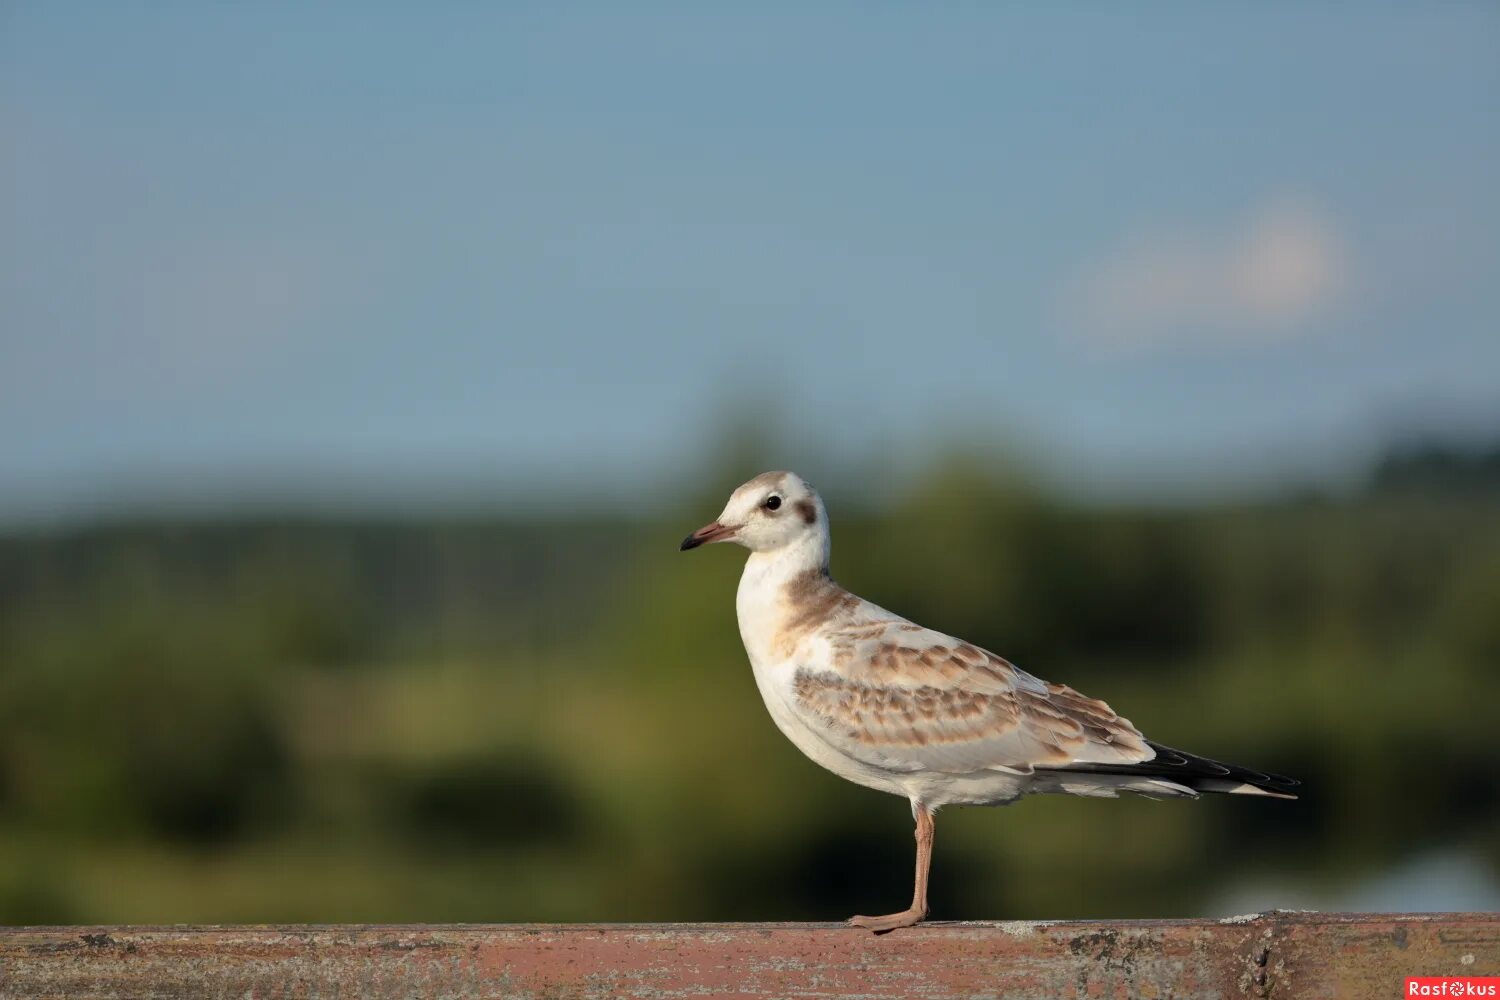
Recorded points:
760,602
790,561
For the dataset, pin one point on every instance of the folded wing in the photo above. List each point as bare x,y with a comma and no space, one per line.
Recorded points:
895,695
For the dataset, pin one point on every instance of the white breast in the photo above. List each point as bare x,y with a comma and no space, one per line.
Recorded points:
758,605
759,613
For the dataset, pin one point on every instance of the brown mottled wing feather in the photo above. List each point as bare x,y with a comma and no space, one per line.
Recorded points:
895,695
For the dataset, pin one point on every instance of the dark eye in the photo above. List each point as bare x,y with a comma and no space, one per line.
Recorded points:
773,502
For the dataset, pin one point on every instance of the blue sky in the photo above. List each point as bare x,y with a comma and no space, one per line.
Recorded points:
378,250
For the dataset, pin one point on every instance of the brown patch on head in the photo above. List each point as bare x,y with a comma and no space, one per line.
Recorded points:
808,511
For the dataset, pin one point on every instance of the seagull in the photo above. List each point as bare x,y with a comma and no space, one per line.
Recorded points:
886,703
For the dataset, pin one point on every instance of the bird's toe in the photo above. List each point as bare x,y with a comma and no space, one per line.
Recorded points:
889,922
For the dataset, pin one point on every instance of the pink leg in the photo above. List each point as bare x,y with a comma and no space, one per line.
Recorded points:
918,909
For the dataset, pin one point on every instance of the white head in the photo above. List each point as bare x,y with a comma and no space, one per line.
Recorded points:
774,512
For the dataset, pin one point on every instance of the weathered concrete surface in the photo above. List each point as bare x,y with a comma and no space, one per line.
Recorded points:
1358,956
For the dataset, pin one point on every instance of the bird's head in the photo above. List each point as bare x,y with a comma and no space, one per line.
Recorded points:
773,511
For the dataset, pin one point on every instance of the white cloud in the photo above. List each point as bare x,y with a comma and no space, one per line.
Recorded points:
1271,279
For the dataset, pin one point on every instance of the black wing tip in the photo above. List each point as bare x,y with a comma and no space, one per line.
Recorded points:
1189,765
1201,774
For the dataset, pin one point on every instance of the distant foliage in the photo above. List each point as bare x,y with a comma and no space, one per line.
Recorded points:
1438,468
476,720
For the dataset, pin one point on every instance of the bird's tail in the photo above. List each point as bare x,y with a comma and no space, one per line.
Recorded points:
1199,774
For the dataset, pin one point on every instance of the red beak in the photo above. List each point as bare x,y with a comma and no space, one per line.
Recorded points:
714,532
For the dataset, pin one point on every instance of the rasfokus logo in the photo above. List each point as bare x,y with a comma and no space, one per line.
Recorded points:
1453,986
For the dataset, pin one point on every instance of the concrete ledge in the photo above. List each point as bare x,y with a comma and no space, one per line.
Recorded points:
1358,956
